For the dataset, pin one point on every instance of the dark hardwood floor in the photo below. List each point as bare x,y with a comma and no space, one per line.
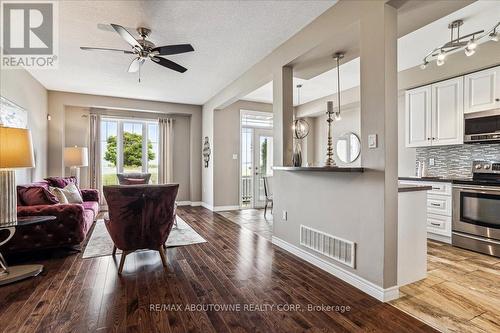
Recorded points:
234,268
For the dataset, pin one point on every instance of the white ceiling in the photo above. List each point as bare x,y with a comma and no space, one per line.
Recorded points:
412,48
228,36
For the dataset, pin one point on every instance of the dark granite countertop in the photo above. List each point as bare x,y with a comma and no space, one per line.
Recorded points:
318,169
462,181
413,188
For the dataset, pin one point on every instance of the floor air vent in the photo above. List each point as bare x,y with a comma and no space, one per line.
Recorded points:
333,247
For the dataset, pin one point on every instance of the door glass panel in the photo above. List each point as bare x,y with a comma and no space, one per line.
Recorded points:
246,166
480,209
109,133
264,159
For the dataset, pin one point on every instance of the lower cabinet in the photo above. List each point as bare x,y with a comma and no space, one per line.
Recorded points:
439,211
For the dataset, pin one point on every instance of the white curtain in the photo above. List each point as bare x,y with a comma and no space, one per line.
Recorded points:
166,150
95,153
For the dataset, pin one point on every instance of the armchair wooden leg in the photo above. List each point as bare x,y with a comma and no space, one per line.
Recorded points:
114,250
162,255
122,261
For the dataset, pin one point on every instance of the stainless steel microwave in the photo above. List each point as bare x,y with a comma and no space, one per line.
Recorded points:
482,127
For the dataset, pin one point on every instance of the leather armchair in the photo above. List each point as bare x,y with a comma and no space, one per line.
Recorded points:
140,217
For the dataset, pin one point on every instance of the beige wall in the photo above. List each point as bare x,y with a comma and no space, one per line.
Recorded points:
226,143
18,86
59,101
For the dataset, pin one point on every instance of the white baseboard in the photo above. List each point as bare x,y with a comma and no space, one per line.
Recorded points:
207,206
440,238
189,203
383,295
224,208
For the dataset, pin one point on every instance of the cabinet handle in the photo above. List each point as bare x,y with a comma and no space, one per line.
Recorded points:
428,138
436,188
435,204
436,224
497,99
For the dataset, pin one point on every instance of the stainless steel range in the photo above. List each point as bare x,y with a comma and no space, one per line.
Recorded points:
476,210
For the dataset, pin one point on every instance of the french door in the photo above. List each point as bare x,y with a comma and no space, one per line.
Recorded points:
263,164
256,163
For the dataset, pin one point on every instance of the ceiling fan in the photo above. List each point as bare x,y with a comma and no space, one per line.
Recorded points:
143,49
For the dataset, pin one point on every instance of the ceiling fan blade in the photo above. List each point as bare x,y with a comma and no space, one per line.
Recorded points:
108,27
127,36
173,49
85,48
169,64
135,65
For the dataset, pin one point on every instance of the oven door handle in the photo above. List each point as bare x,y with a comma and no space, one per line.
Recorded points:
477,188
483,239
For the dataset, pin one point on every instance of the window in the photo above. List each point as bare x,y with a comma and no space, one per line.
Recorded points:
128,146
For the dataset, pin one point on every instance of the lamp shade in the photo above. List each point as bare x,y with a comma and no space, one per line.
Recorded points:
16,148
76,156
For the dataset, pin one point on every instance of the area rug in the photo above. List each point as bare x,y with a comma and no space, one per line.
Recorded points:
100,243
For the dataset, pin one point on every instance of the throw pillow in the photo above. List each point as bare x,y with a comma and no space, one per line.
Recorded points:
32,196
60,182
133,181
59,194
72,194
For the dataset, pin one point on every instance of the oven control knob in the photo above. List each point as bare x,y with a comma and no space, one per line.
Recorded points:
487,166
477,166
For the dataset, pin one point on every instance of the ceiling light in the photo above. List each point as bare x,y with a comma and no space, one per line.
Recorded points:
494,36
471,45
441,56
469,52
468,43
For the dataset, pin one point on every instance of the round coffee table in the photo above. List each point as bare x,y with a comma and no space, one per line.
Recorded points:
16,273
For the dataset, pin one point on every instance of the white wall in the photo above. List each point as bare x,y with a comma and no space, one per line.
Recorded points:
18,86
227,142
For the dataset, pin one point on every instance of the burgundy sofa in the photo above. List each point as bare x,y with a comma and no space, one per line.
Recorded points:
73,221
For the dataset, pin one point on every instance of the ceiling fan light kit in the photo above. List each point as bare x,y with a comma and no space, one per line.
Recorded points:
144,49
468,43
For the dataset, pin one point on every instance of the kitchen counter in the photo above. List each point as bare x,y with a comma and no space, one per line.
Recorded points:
319,169
463,181
413,188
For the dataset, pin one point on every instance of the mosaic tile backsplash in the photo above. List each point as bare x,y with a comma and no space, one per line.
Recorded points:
456,161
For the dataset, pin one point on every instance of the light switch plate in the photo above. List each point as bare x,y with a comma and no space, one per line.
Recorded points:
235,156
284,216
432,162
372,141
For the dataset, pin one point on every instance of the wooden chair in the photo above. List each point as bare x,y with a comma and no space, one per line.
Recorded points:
140,217
269,195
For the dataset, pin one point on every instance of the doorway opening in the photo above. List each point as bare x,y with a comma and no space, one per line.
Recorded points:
256,153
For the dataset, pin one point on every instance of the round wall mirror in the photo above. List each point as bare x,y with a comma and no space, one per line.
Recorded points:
348,147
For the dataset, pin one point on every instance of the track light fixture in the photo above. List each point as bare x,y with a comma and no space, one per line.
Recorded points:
468,43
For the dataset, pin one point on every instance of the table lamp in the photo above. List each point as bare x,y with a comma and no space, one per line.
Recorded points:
74,158
16,151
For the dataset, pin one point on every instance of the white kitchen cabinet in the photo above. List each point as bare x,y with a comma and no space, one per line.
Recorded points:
447,112
438,209
482,90
434,114
418,117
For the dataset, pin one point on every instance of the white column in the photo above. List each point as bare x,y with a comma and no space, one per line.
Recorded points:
378,53
283,116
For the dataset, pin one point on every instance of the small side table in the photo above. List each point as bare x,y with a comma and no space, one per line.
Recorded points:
16,273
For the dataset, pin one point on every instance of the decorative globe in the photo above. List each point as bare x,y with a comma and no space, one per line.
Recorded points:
300,128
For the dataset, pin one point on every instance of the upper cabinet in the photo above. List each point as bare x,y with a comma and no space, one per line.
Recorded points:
418,117
434,114
482,90
448,112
